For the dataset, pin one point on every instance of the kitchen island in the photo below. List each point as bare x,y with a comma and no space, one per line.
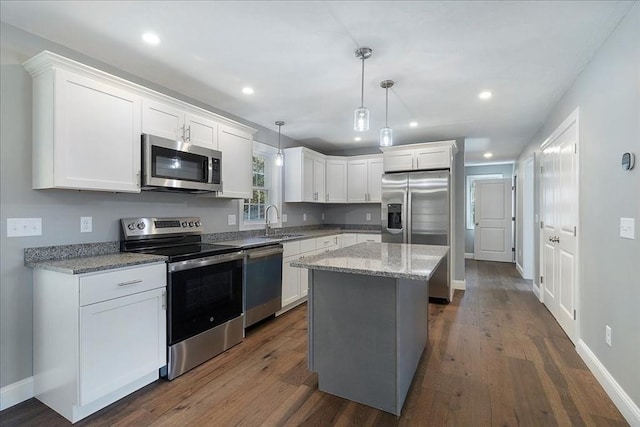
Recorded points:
368,314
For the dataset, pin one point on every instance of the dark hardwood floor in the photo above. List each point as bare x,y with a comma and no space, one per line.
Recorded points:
496,358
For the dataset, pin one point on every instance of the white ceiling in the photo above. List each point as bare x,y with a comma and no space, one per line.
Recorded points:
299,57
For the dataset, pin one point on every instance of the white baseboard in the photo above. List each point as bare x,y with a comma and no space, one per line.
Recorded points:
459,285
468,255
536,291
620,398
520,270
15,393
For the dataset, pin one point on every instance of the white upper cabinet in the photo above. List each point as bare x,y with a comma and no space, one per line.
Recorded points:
364,179
237,160
162,120
304,174
431,155
87,128
86,133
336,180
201,131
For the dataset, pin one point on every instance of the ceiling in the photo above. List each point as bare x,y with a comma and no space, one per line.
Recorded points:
299,58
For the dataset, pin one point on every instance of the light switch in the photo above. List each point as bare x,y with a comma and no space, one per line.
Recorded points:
284,217
304,216
627,228
22,227
368,217
231,220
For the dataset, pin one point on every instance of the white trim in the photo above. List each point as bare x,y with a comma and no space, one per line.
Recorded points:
468,255
536,291
460,285
520,269
15,393
620,398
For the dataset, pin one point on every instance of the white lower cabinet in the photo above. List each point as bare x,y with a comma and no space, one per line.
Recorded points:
362,237
97,337
348,239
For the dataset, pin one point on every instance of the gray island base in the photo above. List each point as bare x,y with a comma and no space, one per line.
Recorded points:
368,314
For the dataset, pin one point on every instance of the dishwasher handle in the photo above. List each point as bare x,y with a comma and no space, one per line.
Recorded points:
263,253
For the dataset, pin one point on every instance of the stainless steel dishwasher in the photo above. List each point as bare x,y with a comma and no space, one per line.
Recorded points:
262,282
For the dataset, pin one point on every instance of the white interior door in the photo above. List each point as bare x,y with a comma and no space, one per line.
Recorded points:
559,210
493,234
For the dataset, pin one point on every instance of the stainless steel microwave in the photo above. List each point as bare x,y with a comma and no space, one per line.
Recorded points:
179,166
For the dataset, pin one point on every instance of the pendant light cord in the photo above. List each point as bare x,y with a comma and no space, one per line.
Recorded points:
386,108
362,85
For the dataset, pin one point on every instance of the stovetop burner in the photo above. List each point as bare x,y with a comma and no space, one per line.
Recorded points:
176,238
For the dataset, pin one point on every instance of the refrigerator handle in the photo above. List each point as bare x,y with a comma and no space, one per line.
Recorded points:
407,216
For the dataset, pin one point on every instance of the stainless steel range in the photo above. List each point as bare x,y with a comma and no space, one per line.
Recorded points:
204,287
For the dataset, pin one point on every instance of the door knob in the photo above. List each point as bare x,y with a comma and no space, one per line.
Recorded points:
554,239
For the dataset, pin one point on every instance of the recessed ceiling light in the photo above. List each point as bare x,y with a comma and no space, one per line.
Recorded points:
488,155
357,138
485,95
413,124
247,90
151,38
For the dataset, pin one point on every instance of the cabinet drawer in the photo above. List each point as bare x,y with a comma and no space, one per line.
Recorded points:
307,245
290,249
114,284
327,242
369,238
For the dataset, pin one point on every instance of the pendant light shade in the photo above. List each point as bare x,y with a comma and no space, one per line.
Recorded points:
386,133
279,157
361,115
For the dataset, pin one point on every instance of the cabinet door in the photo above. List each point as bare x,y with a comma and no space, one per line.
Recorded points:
402,161
290,282
434,158
348,240
162,120
121,340
97,135
357,186
237,160
336,181
201,131
374,180
308,190
318,180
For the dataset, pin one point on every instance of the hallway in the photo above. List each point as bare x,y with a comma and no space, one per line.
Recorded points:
497,358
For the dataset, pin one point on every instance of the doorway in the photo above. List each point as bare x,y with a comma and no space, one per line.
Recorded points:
559,280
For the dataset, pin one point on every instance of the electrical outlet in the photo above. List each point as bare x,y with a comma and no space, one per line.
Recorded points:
231,220
304,216
627,228
86,224
22,227
284,217
368,217
607,335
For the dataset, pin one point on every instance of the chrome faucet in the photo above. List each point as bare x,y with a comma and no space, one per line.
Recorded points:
266,218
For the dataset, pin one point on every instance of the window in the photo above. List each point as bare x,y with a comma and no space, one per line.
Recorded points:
266,190
471,207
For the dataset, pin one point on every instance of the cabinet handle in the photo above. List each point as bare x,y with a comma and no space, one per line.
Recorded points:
327,198
189,136
164,300
131,282
139,179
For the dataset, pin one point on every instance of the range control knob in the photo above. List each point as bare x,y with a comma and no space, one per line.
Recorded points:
131,226
198,223
184,223
191,224
140,226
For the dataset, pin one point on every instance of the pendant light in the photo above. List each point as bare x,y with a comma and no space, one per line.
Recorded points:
386,133
361,115
279,157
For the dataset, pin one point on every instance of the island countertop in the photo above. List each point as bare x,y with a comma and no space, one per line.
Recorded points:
398,260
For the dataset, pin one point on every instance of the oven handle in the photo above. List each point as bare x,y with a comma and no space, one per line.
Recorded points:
263,253
203,262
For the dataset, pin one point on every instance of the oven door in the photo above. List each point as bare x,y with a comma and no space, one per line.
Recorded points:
203,293
179,165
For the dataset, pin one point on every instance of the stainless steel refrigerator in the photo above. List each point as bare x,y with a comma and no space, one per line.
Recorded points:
415,210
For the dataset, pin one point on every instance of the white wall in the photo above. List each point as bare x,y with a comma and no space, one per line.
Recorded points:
607,92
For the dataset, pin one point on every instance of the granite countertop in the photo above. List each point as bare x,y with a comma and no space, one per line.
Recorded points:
91,264
397,260
257,241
